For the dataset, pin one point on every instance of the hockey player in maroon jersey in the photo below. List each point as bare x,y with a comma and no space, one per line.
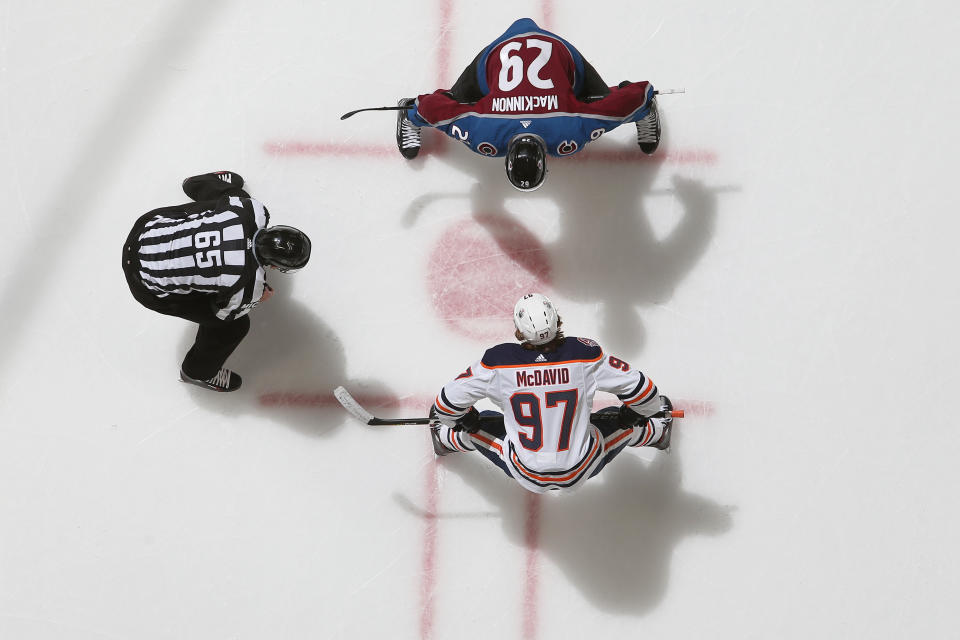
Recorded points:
527,95
545,386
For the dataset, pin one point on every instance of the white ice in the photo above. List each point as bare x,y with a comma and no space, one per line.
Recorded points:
795,287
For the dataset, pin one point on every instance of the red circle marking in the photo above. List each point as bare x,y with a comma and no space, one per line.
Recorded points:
479,269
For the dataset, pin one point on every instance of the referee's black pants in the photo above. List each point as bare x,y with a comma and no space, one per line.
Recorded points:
216,339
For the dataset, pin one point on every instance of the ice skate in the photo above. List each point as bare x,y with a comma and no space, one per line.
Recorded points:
438,447
225,380
667,421
648,130
408,134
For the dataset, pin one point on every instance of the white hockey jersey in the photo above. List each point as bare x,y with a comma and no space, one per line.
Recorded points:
546,400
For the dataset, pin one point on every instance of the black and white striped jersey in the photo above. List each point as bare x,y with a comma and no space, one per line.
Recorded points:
206,248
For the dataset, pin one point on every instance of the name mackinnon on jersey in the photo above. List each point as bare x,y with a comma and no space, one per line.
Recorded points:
525,103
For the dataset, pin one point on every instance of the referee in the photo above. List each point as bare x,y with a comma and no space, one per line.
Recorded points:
205,262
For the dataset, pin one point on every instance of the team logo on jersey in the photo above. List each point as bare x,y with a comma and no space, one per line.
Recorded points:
588,342
596,133
487,149
526,123
466,374
566,147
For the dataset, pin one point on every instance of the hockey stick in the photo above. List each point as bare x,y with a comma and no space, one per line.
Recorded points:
402,107
397,108
353,408
356,410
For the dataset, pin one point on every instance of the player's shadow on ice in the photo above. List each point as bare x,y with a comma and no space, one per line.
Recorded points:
607,251
290,362
613,539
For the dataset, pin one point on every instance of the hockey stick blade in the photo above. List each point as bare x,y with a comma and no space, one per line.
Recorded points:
357,411
352,406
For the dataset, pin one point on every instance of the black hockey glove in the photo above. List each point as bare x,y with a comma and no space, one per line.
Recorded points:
629,418
470,422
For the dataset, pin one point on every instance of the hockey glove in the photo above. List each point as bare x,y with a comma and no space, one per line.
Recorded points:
629,418
470,422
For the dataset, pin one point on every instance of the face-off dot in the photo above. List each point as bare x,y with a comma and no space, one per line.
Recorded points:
478,270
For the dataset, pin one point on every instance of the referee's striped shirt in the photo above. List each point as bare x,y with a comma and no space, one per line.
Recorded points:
208,251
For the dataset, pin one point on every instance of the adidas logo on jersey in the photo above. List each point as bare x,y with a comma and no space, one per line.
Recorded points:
540,358
526,123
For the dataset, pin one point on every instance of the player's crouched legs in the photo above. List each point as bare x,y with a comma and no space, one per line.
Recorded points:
490,440
655,432
450,439
449,436
633,430
215,341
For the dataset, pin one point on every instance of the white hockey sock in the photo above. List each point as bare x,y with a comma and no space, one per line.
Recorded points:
456,440
647,434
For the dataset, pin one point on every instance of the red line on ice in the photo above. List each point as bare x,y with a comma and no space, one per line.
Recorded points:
443,48
303,148
428,579
323,399
616,156
531,581
418,404
546,9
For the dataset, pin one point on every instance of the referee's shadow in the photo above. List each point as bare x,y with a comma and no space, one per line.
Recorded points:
290,361
614,539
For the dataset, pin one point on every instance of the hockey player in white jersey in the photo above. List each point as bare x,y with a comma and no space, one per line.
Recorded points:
545,386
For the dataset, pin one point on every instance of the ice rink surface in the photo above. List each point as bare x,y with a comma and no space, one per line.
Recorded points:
785,267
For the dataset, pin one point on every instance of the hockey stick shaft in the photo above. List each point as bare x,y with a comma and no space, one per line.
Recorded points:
356,410
404,107
353,113
658,92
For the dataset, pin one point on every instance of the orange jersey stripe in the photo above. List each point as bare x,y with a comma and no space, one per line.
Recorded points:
613,443
648,435
445,408
490,443
645,391
586,462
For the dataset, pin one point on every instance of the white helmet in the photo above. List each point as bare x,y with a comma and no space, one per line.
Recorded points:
535,318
